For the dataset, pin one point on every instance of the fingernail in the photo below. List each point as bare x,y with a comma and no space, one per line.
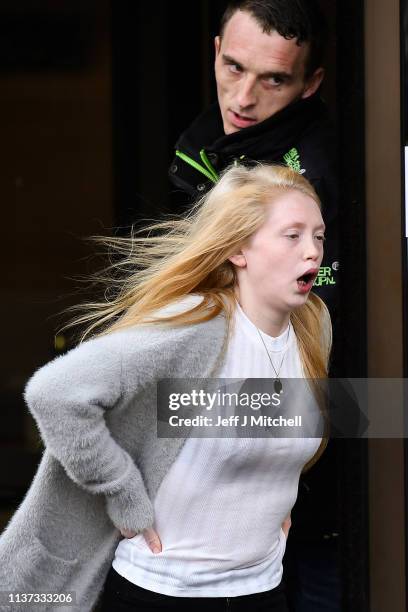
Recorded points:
156,549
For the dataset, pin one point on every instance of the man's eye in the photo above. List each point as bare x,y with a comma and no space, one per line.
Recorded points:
234,68
275,81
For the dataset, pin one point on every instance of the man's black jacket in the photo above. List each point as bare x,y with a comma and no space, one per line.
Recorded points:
299,136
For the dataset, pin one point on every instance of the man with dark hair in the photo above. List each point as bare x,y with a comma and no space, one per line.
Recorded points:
301,21
268,69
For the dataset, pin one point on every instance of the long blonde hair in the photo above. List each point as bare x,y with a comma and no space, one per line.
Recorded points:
173,259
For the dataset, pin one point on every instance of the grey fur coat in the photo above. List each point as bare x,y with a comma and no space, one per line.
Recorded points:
95,408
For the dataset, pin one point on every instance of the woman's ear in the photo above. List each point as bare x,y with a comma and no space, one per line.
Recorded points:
238,260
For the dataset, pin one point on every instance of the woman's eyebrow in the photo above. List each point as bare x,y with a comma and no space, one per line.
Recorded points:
299,224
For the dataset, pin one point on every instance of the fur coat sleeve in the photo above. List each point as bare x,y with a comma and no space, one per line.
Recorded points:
68,398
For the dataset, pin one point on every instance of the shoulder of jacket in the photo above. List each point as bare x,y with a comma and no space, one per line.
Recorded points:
158,335
165,350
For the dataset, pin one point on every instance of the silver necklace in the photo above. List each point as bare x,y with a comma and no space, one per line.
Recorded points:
277,385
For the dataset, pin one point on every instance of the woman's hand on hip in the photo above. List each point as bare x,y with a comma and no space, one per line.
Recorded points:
152,540
150,535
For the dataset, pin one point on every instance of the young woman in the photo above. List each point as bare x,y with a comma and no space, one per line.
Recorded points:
224,293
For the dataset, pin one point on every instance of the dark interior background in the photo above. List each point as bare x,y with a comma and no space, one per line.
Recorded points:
94,94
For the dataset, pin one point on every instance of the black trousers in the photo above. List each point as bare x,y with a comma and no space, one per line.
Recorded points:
120,595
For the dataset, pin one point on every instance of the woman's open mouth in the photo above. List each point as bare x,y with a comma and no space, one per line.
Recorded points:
305,282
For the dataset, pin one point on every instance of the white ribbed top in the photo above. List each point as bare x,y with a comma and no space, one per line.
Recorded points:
220,507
